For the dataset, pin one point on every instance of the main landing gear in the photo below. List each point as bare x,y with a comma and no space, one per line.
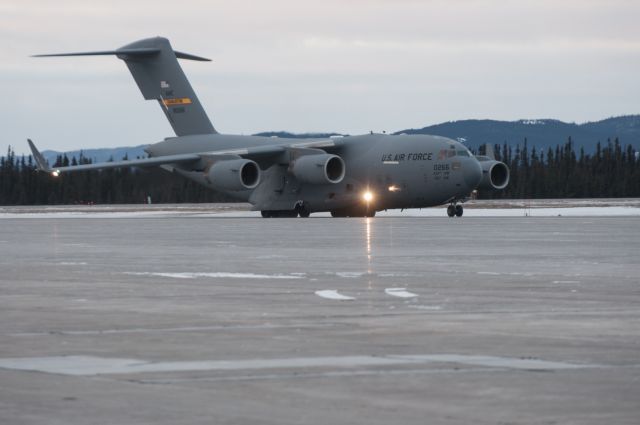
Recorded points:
455,210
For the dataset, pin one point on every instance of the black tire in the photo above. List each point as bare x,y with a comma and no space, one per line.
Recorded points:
266,214
304,210
459,210
451,210
304,213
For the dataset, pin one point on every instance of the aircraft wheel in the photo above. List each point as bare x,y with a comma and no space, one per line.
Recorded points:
370,213
266,214
459,210
303,210
338,213
451,210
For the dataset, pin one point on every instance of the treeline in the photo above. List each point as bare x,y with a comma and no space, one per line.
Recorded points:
22,184
610,172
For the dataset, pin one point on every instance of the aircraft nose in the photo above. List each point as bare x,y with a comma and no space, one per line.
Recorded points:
472,172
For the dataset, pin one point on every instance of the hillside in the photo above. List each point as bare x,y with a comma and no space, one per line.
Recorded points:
474,133
540,133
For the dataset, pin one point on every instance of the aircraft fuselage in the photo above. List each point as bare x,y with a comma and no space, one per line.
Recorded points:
399,171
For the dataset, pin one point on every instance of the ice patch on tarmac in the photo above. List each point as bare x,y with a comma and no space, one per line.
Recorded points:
219,275
426,307
350,275
332,294
515,212
89,365
484,208
400,292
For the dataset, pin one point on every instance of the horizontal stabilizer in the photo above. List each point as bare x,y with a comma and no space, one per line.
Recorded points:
154,66
182,55
130,52
126,52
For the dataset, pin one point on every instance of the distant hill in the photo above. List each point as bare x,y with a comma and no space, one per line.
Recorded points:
540,133
474,133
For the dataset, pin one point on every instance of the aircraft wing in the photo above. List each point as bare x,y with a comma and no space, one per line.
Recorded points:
250,152
171,159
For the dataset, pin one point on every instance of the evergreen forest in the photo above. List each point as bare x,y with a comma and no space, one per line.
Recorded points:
612,171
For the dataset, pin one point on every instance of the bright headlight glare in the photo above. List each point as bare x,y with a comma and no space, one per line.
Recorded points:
367,196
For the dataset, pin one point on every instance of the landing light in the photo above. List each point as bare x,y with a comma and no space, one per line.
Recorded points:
393,188
367,196
55,173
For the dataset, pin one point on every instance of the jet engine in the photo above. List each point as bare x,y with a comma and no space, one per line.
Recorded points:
495,175
234,175
319,169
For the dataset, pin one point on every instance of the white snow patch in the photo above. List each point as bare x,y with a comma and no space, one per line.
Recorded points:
532,122
566,281
426,307
72,263
491,273
89,365
221,275
519,212
349,275
513,208
332,294
400,292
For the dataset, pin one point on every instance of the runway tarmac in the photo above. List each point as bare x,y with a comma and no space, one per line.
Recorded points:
187,319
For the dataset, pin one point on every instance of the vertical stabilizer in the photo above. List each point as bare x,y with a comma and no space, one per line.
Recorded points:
159,76
154,65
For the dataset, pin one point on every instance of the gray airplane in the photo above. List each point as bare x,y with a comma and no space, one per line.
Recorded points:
351,176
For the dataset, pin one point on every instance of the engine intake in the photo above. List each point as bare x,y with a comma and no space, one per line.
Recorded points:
234,175
319,169
495,175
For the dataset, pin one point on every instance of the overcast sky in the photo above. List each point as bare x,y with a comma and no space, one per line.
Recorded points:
345,65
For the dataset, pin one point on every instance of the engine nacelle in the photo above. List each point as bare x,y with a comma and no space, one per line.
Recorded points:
234,175
319,169
495,175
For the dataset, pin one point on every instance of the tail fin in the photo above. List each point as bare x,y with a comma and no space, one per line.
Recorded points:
155,68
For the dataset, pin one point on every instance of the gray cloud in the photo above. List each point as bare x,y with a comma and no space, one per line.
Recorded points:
347,66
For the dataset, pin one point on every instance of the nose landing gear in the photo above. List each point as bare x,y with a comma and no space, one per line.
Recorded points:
455,210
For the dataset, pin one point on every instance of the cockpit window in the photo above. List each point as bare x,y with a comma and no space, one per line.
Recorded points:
463,153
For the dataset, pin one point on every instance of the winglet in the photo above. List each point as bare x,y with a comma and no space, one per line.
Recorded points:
37,156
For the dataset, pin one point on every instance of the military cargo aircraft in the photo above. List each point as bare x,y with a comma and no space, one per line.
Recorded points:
351,176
